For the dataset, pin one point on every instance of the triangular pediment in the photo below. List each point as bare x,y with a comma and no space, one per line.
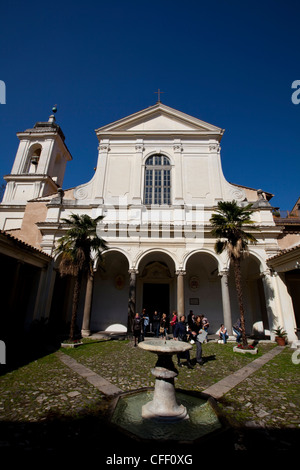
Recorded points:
159,119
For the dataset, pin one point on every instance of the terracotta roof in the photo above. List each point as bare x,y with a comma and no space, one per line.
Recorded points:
287,220
24,244
283,252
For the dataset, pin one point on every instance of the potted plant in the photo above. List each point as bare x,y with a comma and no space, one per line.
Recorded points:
250,348
280,336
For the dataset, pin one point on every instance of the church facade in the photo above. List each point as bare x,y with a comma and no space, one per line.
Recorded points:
157,183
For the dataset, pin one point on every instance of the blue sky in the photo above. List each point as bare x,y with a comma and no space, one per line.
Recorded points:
230,63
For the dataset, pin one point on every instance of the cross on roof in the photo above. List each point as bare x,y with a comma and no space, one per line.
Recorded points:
158,92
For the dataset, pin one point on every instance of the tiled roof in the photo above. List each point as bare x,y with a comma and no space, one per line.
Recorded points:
23,244
283,252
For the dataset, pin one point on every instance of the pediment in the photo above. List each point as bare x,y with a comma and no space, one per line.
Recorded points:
159,119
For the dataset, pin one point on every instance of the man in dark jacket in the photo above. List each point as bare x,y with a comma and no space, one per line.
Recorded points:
180,334
155,323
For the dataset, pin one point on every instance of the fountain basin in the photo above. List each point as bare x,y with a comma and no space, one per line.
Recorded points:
202,412
165,347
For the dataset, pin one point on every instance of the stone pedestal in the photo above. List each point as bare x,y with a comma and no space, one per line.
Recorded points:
164,406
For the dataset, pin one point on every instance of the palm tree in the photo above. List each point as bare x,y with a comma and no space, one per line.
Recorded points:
228,223
77,247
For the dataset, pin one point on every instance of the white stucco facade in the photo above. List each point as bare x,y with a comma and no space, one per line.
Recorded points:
157,182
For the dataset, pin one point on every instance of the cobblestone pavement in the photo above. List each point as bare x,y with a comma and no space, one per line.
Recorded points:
46,399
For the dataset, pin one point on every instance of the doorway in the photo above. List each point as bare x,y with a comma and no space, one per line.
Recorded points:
156,297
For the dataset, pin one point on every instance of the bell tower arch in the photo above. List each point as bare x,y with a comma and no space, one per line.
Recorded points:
38,169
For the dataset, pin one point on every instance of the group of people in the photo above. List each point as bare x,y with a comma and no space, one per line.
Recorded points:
195,329
161,325
237,329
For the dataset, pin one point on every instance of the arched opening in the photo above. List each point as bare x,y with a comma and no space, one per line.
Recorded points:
293,284
156,284
256,318
33,159
203,289
110,292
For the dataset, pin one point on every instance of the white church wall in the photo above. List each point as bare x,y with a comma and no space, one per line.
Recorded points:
110,294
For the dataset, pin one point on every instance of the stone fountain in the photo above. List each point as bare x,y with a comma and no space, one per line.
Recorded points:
163,414
164,405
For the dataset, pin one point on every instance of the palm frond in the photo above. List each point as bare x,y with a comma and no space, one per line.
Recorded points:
228,223
79,244
220,246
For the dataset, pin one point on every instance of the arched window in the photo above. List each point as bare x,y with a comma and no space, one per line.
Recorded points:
157,180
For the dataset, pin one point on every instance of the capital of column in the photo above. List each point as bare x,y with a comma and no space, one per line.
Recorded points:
177,146
133,271
180,272
104,146
266,272
139,145
224,272
224,275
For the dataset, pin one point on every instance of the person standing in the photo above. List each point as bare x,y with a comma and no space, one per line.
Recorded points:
146,321
173,320
205,325
137,328
199,335
180,334
155,323
191,319
163,326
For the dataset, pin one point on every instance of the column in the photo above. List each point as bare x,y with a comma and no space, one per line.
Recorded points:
132,299
180,292
226,300
85,331
285,316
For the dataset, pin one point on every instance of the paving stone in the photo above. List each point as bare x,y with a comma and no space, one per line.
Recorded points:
73,394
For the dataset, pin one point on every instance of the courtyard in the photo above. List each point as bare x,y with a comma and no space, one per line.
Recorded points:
47,405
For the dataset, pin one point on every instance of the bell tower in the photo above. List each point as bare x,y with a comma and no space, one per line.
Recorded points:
39,166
